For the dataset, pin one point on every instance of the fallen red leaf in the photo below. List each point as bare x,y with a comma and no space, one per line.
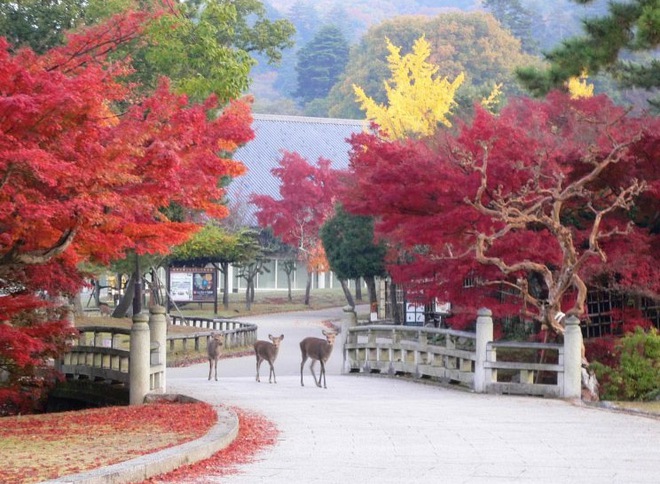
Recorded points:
255,434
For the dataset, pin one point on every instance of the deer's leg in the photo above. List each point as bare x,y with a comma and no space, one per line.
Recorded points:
215,367
302,365
311,367
322,374
210,368
259,360
272,372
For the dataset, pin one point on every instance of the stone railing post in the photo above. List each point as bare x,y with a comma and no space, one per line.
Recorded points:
572,358
484,336
140,360
348,321
158,334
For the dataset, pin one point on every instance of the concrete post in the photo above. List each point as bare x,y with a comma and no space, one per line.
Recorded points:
484,336
158,334
349,320
572,358
70,315
139,363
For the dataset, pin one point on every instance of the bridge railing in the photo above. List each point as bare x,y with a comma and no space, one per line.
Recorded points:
107,354
99,353
237,334
422,352
471,359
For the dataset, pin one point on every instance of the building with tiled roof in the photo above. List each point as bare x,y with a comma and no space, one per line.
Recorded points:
311,138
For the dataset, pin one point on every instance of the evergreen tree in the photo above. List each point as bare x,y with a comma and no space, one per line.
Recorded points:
349,245
320,63
608,41
517,19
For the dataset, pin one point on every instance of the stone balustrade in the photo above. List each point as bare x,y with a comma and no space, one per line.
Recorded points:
137,357
422,352
471,359
237,334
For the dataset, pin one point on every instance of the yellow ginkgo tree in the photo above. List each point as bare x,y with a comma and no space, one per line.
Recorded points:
578,87
418,99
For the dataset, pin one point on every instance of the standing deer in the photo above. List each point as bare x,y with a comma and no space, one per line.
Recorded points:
316,349
265,350
216,340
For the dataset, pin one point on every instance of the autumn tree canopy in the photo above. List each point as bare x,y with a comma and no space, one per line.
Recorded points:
535,203
470,43
86,170
419,97
307,194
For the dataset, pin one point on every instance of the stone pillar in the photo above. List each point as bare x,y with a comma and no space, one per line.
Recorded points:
349,320
572,358
140,360
158,335
70,314
484,336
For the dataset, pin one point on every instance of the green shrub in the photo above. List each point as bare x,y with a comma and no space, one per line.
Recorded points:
636,374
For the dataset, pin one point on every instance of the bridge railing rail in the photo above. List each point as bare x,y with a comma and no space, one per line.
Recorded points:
104,354
471,359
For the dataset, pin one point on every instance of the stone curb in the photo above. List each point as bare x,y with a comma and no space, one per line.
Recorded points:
220,436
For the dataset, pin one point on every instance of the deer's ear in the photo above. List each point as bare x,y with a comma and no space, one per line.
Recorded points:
270,336
281,336
324,332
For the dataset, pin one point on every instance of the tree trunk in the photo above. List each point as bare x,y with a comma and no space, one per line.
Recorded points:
358,290
251,289
125,304
308,288
288,285
347,293
224,269
248,302
396,314
96,293
371,289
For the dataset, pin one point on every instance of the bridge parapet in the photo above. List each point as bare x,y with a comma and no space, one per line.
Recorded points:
103,354
471,359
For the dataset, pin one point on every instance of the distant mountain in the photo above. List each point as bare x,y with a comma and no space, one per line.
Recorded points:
364,13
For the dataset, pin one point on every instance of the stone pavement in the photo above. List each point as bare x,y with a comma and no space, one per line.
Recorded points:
376,429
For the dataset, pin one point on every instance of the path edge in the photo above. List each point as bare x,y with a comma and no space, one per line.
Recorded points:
220,436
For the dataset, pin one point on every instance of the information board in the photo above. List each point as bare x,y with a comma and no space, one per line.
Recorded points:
192,284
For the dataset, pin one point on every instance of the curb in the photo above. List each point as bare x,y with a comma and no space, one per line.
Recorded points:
141,468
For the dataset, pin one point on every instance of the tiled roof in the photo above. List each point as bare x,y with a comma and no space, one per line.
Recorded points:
309,137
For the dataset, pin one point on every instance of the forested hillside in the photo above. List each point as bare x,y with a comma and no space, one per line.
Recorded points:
539,26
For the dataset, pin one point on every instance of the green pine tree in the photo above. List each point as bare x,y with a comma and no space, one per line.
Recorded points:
621,43
320,63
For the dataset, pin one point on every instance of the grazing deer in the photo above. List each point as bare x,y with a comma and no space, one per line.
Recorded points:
216,340
104,309
316,349
265,350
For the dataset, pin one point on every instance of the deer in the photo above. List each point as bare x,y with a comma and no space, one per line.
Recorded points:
316,349
267,350
216,340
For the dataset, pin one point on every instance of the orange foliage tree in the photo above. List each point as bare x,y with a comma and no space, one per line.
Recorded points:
86,171
307,194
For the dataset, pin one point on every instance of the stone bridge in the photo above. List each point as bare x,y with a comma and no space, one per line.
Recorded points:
379,422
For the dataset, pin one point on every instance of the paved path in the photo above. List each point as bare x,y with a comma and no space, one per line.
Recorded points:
372,429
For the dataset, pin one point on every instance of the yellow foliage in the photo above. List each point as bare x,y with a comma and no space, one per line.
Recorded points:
579,88
418,100
493,99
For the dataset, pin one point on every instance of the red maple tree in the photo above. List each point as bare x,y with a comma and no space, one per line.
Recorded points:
307,199
85,173
518,211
